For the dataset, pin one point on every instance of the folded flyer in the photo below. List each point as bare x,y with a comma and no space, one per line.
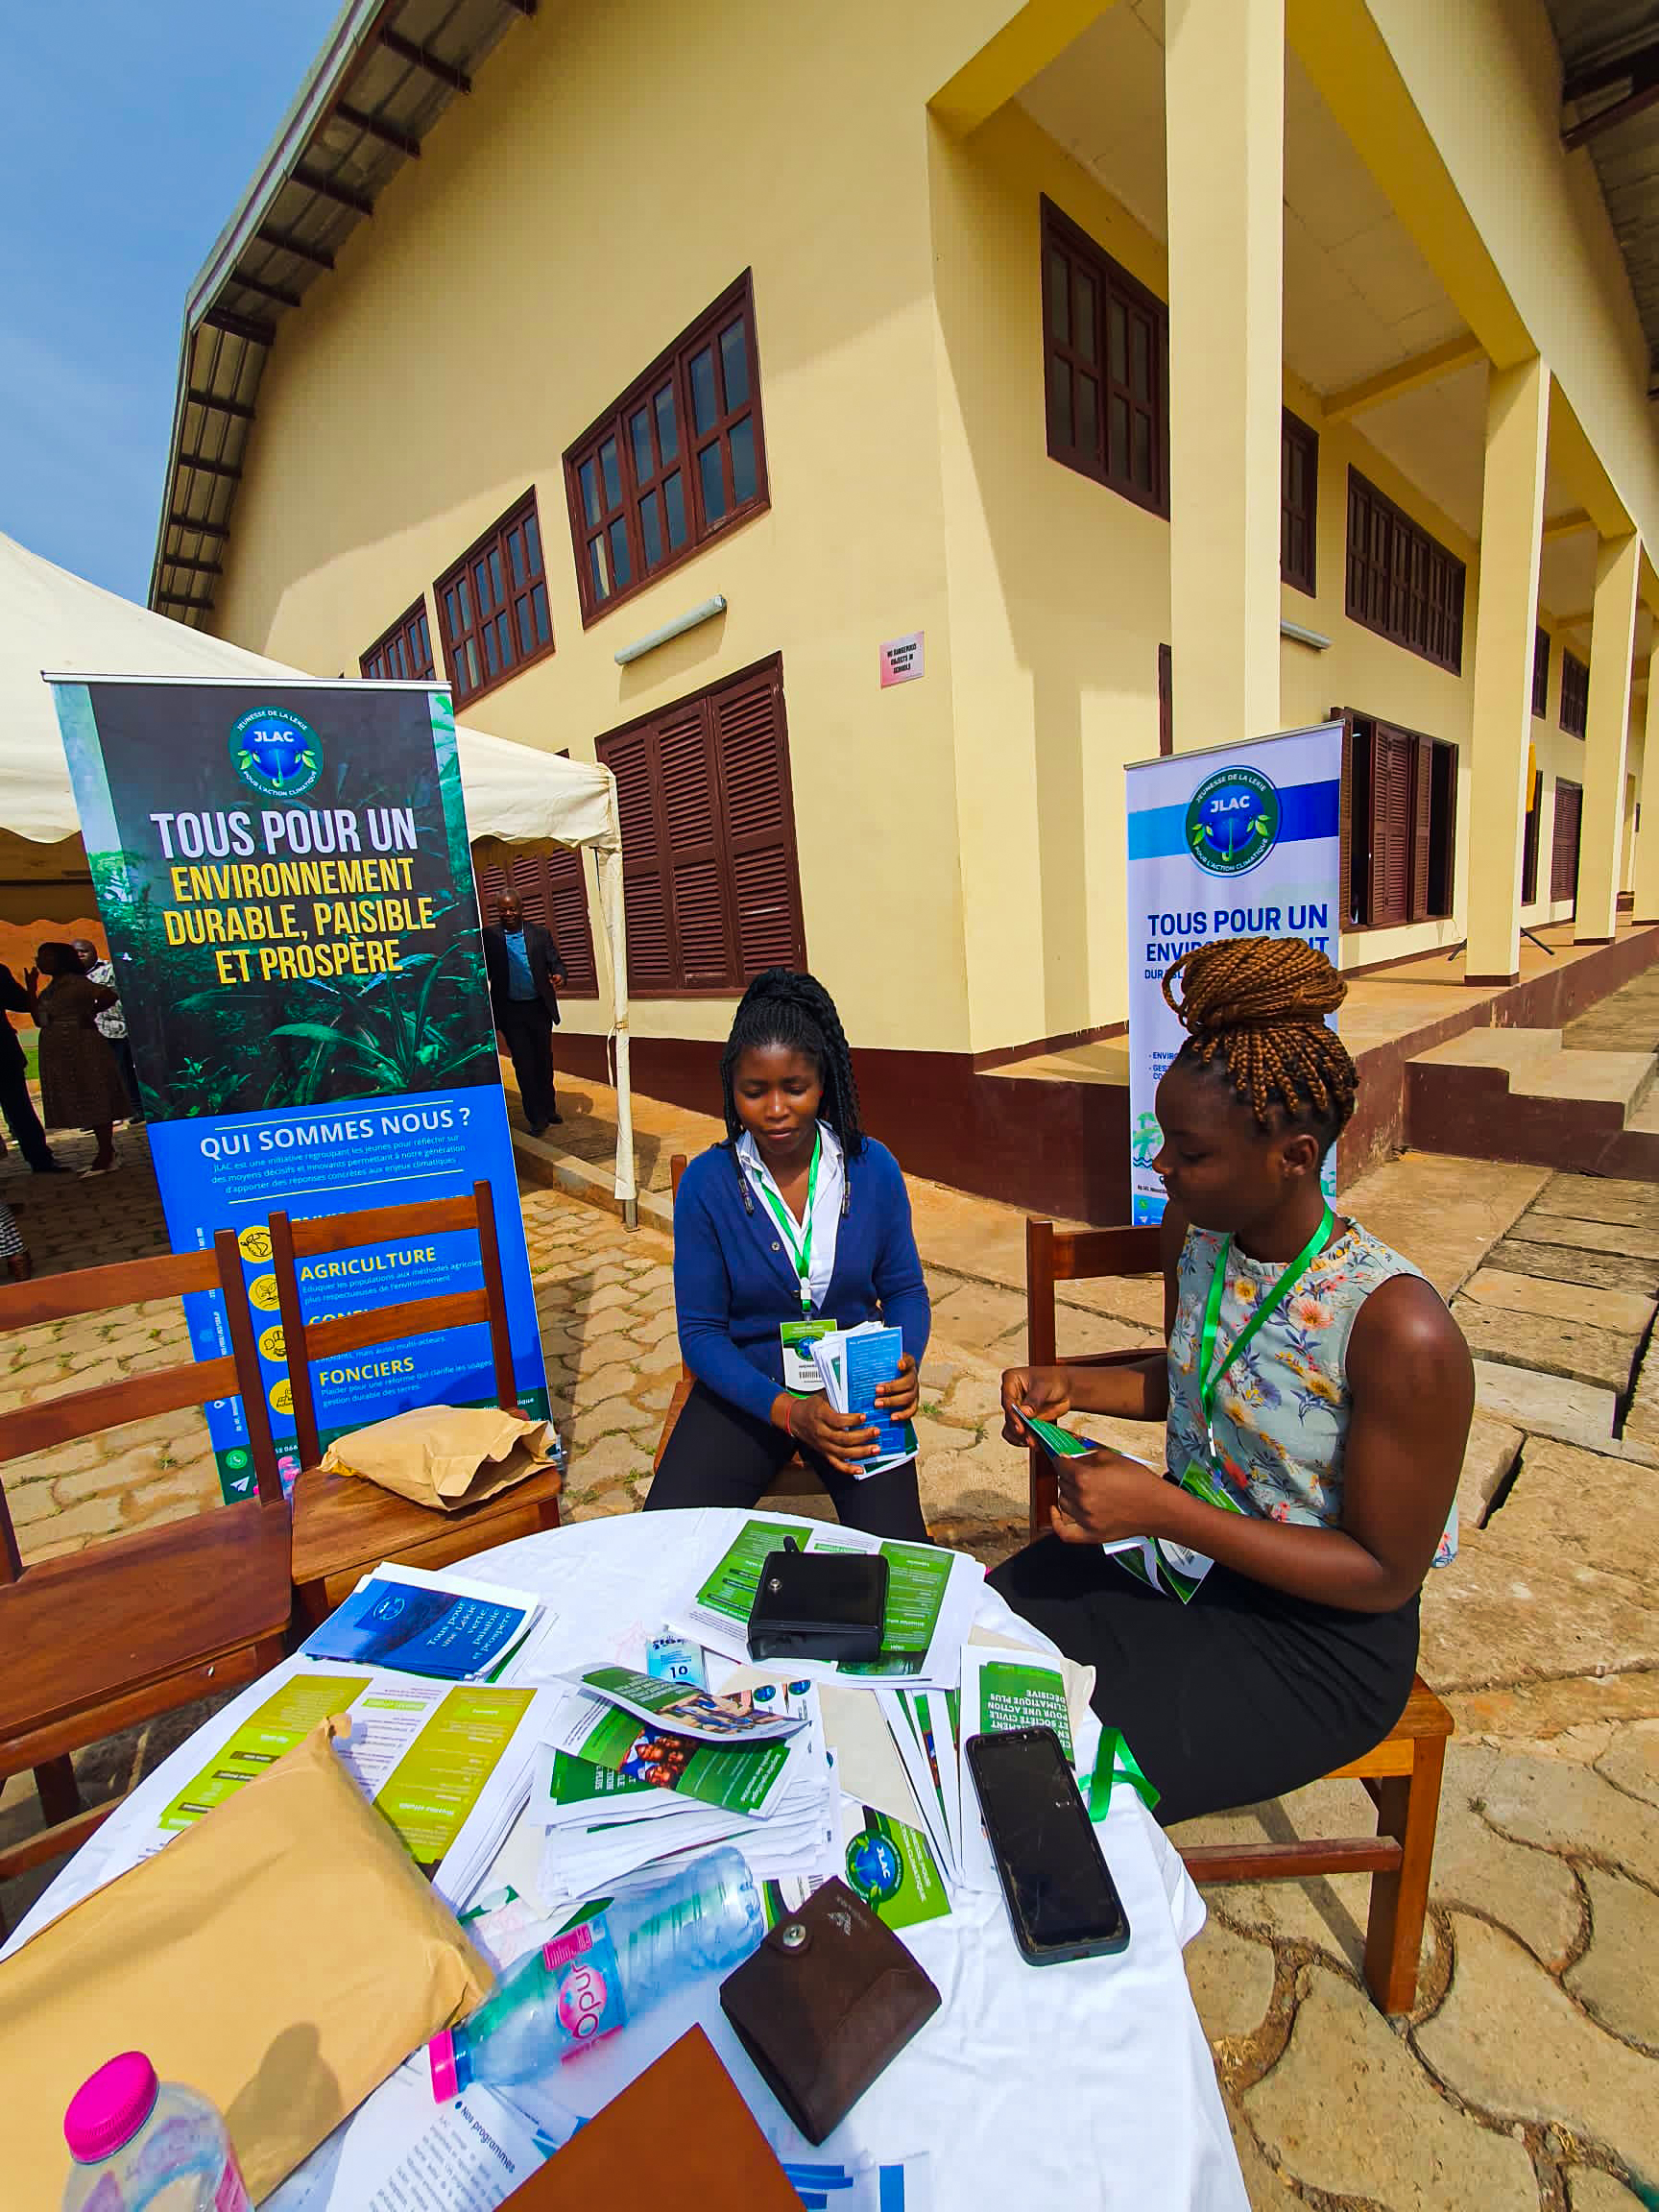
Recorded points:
853,1364
592,1752
1175,1569
893,1868
420,1623
447,1767
932,1596
686,1710
1004,1689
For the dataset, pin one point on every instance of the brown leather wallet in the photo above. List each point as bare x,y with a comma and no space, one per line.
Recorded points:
826,2004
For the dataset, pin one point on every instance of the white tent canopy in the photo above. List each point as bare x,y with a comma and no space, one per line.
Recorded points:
50,620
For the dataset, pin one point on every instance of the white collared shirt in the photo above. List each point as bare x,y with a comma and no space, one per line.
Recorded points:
826,1209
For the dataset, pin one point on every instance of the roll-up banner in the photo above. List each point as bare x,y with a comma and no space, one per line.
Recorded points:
283,876
1237,841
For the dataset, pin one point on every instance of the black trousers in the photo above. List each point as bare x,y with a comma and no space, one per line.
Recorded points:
1242,1696
528,1029
720,1455
18,1108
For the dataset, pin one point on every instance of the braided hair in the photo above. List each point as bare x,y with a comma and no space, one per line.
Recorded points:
1258,1006
795,1011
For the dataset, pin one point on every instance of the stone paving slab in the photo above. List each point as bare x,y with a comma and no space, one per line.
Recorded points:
1519,1255
1548,1347
1601,1198
1547,1405
1621,1238
1624,1312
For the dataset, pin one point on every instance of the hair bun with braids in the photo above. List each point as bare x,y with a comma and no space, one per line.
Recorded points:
1259,1003
793,1010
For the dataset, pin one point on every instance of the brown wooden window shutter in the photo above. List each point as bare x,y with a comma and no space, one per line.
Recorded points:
404,654
1575,696
1298,502
1564,843
708,851
1166,702
1105,366
1421,797
1541,672
672,464
1529,841
1346,820
493,607
1401,582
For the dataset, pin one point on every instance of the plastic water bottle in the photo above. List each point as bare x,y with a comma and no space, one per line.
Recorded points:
648,1942
140,2143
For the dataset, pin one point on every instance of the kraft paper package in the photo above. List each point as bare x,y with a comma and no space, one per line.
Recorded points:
283,1957
444,1455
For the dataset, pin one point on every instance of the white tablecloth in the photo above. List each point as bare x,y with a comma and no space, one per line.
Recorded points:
1072,2087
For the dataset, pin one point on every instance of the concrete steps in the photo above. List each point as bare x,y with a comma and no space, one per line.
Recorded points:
1522,1094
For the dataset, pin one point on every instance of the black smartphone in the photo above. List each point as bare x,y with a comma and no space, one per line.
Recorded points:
1061,1896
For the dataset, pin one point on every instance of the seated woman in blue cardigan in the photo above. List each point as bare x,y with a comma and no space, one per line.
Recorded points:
797,1216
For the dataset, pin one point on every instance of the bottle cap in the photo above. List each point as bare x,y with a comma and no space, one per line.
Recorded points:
440,2057
108,2109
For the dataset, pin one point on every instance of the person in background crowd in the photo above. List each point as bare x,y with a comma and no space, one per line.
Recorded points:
112,1022
797,1216
80,1079
526,974
15,1102
12,1249
1313,1383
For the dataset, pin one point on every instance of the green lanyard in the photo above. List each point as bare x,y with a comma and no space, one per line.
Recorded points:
798,1247
1207,1377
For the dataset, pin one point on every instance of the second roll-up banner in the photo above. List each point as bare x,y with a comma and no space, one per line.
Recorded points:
1235,841
283,876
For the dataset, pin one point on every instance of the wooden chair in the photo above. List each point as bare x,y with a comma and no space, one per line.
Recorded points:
794,1479
341,1526
1401,1774
135,1626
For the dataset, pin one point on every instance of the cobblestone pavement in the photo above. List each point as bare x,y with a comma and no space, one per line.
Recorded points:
1529,2076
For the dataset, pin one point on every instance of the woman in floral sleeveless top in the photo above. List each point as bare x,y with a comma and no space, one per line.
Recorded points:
1316,1396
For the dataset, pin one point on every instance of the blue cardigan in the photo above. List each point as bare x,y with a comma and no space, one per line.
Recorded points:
734,1284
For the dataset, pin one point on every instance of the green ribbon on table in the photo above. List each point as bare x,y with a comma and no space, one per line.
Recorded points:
1116,1763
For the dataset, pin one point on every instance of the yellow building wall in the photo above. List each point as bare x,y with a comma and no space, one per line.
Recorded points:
612,173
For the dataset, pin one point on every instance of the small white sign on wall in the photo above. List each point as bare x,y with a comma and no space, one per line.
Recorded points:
902,659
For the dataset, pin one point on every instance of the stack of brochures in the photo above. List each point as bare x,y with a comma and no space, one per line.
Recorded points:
632,1769
853,1364
422,1623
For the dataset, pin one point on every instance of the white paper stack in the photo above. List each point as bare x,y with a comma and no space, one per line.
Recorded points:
776,1801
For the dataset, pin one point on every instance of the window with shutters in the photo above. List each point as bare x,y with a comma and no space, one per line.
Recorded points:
1529,840
1106,367
1399,826
1575,696
1564,843
405,652
675,462
493,605
1298,501
1401,582
710,883
554,890
1541,672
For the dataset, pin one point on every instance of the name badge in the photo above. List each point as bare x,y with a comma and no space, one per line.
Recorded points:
796,1337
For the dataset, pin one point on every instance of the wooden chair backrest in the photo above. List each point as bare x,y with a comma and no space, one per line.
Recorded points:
305,1341
1074,1256
75,1413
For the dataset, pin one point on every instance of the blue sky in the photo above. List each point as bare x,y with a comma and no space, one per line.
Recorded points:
132,128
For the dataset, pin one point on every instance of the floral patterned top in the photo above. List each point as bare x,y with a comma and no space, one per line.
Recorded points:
1281,1419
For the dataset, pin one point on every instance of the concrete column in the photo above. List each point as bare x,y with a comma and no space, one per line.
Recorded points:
1224,82
1612,636
1507,617
1646,882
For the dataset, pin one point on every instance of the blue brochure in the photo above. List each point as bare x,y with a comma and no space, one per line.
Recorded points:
454,1635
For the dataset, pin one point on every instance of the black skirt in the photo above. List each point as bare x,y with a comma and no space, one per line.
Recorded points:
1244,1695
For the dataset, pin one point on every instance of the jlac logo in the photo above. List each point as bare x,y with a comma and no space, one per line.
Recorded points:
275,753
1233,821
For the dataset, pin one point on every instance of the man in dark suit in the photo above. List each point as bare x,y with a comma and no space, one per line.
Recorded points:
525,972
15,1102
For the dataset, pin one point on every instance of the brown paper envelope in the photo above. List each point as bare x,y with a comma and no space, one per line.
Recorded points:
283,1957
444,1456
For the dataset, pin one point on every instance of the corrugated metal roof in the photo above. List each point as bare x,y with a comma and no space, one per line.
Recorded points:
1610,69
389,70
